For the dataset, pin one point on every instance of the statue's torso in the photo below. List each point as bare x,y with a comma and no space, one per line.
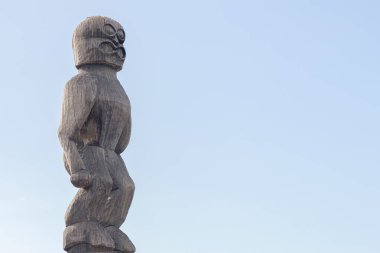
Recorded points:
109,115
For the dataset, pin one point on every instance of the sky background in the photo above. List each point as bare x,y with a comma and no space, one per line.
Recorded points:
255,124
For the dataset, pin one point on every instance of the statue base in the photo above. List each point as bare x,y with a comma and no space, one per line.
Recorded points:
88,237
87,248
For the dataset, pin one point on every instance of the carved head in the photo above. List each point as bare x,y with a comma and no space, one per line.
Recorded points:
99,40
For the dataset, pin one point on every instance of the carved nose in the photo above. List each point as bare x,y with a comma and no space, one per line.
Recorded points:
115,41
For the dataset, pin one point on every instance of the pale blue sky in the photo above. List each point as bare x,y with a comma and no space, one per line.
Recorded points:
255,124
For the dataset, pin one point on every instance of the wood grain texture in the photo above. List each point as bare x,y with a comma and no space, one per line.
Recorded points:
95,128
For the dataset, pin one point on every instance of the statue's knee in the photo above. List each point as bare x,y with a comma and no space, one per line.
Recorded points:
128,187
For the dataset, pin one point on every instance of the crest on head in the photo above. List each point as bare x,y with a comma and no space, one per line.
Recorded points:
99,40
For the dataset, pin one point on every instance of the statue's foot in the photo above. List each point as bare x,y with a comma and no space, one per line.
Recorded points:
87,248
87,237
122,243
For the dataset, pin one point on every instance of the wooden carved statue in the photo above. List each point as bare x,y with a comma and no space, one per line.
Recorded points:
95,129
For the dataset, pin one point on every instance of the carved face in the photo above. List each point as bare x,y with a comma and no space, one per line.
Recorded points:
99,40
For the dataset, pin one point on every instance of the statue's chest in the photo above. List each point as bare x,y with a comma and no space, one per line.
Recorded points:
112,103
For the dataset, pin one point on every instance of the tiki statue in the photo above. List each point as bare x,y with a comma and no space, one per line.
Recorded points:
95,129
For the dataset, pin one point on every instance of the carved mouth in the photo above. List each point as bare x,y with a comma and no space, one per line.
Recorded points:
109,47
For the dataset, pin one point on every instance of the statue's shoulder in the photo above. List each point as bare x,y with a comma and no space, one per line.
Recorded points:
83,79
82,83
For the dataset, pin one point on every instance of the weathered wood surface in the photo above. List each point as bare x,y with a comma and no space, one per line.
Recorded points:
95,128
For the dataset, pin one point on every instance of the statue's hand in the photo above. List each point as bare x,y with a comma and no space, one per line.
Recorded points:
81,179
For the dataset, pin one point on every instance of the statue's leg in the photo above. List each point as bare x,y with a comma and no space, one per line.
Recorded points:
123,189
89,212
122,194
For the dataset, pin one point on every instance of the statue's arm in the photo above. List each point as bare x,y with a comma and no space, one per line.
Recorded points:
78,100
125,137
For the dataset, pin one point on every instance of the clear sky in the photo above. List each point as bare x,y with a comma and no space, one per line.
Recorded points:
255,124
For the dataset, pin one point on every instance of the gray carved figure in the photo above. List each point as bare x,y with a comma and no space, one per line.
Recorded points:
95,129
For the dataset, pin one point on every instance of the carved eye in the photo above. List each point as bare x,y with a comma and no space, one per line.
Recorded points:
121,35
109,30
